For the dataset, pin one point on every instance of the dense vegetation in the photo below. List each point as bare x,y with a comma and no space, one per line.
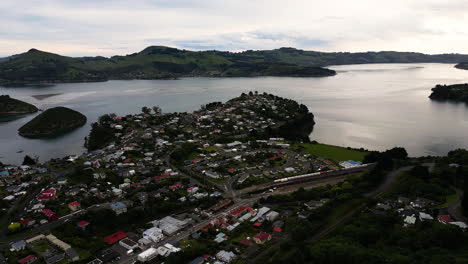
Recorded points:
455,92
157,62
10,106
101,133
52,122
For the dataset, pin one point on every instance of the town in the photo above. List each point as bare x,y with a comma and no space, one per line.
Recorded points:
203,187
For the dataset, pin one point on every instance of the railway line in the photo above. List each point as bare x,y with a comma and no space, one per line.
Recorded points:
310,177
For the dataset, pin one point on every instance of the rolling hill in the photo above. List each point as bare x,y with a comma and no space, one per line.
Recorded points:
159,62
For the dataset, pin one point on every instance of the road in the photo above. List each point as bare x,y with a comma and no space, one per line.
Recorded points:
186,233
51,225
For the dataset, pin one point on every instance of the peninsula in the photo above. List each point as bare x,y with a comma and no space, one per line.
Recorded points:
462,66
52,122
159,62
11,107
454,92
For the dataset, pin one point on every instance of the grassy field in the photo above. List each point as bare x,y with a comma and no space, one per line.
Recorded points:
334,153
449,200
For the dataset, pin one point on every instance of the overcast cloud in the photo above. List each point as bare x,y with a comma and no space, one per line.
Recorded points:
105,27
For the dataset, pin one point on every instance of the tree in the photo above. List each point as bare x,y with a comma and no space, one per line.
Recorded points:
146,110
421,172
13,227
28,160
461,171
157,110
100,135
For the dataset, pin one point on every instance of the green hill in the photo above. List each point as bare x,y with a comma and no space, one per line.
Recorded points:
454,92
10,106
158,62
52,122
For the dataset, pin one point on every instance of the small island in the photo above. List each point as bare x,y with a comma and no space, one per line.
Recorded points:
52,122
12,107
462,66
454,92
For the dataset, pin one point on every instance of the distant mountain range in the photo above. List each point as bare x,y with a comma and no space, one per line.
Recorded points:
158,62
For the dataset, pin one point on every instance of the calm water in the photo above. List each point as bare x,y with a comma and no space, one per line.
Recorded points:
376,106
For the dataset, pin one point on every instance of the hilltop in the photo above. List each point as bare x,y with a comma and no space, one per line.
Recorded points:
159,62
10,106
53,121
454,92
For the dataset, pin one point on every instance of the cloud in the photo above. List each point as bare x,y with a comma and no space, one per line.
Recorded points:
109,27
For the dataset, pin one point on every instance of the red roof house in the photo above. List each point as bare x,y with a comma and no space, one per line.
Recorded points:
176,186
116,237
246,242
262,237
50,214
277,229
444,219
27,260
27,222
74,206
47,194
82,224
239,211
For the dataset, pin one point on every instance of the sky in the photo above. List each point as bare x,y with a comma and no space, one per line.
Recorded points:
117,27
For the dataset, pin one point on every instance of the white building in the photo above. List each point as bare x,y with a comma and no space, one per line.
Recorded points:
226,256
148,255
154,234
271,216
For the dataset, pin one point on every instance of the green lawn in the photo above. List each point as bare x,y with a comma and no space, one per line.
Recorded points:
343,209
448,200
334,153
41,246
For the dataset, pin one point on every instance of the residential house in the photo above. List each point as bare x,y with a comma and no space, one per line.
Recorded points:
28,260
74,206
82,225
226,256
262,238
55,259
61,181
51,215
119,208
48,194
18,246
444,219
72,254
